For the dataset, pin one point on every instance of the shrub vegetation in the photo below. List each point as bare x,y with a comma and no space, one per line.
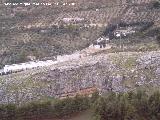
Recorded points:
113,106
44,109
128,106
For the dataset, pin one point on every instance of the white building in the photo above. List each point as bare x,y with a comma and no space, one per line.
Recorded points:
73,4
27,65
76,19
123,32
102,39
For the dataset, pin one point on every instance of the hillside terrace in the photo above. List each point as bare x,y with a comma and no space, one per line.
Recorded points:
102,13
98,16
14,39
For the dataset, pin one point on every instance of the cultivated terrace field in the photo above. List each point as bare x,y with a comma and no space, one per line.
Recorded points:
120,81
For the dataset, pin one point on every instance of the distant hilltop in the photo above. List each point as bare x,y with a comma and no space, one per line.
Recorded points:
37,3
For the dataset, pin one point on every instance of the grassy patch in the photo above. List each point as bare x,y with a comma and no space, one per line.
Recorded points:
124,61
147,46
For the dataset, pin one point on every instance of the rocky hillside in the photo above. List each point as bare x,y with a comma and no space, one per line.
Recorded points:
118,72
38,31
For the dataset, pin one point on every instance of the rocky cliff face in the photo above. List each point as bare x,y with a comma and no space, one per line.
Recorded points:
118,72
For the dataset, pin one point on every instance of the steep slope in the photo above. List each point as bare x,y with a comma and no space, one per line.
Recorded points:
118,72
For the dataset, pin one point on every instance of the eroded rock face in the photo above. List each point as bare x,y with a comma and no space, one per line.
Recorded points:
118,72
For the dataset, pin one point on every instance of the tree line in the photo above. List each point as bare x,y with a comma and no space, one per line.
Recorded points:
128,106
44,109
111,106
